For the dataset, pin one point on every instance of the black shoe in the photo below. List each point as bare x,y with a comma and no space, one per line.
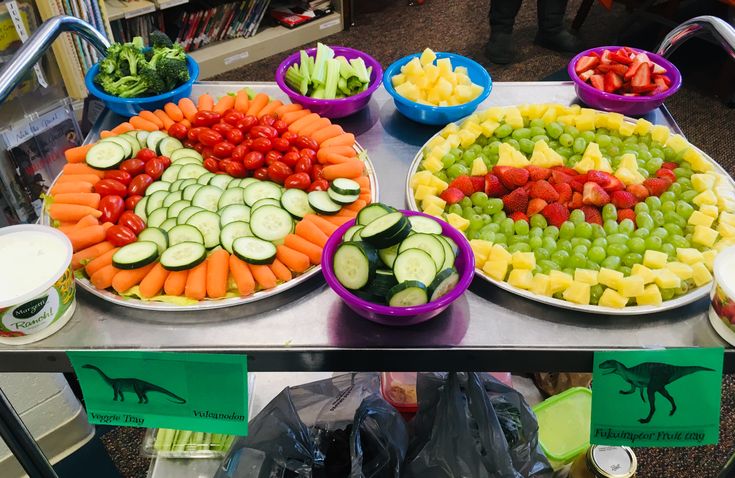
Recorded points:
562,41
499,49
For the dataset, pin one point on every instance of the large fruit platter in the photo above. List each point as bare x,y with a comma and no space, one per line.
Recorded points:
578,208
208,204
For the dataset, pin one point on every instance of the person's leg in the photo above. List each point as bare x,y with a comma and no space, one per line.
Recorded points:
551,31
503,13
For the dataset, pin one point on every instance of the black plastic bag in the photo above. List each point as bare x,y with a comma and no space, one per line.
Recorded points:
335,428
471,425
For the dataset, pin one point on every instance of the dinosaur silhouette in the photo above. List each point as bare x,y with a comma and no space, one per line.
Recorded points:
653,377
140,387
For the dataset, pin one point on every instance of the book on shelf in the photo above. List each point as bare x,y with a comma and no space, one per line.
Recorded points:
10,42
292,14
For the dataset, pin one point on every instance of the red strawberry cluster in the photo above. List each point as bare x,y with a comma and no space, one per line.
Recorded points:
556,192
624,72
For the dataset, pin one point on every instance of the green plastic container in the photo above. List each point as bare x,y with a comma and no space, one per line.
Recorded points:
564,425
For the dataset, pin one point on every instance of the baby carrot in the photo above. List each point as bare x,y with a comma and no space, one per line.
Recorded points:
70,178
263,276
365,196
325,226
126,279
258,103
186,122
292,116
345,139
77,154
243,276
333,158
104,134
293,259
242,101
311,232
83,222
298,243
141,123
297,125
363,181
98,263
71,187
83,199
71,212
315,126
282,110
176,282
355,206
103,278
225,103
188,108
84,237
81,168
165,119
196,282
152,283
347,151
217,273
90,253
348,169
270,108
205,102
329,132
173,111
123,127
280,271
339,219
150,116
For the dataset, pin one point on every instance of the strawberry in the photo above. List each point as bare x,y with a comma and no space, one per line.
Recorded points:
638,190
556,214
565,170
543,190
623,199
493,187
511,177
565,192
608,182
592,214
478,183
670,165
586,63
535,206
452,195
664,173
594,195
577,182
464,184
516,201
576,201
598,82
559,177
519,216
536,173
641,81
626,214
656,186
612,81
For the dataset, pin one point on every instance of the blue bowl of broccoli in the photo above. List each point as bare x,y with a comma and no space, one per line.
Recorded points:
132,78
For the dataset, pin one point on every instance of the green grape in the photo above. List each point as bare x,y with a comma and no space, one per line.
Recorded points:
668,207
566,231
443,176
476,148
611,262
503,130
577,261
653,203
551,244
685,183
541,137
603,140
583,229
645,139
481,141
610,226
535,242
644,220
537,220
521,228
613,150
600,242
500,238
580,249
615,139
631,140
494,147
625,270
457,152
468,157
569,129
636,245
667,196
455,209
617,250
536,232
617,238
668,294
597,254
595,293
548,265
519,247
592,265
648,157
588,136
477,209
683,173
642,232
486,235
653,165
678,240
566,139
537,130
465,202
643,172
488,151
448,160
472,233
577,216
656,151
641,207
554,129
580,241
493,206
609,212
526,145
675,190
476,221
560,257
660,232
688,195
580,144
669,249
541,253
573,160
632,258
598,231
507,227
479,199
564,151
494,226
536,122
551,231
673,229
654,242
512,142
499,217
684,209
468,212
658,218
521,133
457,170
626,226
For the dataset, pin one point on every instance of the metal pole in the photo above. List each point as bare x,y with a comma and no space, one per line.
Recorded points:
21,442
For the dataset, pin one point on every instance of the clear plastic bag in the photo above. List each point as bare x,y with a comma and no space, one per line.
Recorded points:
471,425
339,427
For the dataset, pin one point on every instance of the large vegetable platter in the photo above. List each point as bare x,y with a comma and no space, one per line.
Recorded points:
209,203
638,229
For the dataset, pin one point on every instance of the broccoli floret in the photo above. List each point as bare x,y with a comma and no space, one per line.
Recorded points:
138,43
156,83
125,87
130,59
158,39
173,71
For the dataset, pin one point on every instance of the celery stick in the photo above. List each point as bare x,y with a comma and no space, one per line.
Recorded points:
206,442
217,441
159,443
354,85
359,66
228,442
294,78
330,87
182,439
345,70
318,93
342,86
323,55
196,441
165,439
304,65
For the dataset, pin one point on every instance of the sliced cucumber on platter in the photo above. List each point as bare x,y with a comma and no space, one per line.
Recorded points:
221,180
168,224
204,178
296,202
105,155
265,202
185,153
323,204
233,213
186,213
183,256
342,199
139,209
425,225
123,143
233,231
135,255
207,197
172,173
184,233
154,234
258,190
155,201
157,217
253,250
189,190
348,187
167,146
231,196
208,224
156,186
172,198
154,139
271,223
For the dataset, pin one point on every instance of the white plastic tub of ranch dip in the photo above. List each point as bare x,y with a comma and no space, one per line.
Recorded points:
37,292
722,306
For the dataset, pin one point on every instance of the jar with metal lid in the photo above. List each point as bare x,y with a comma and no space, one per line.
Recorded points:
602,461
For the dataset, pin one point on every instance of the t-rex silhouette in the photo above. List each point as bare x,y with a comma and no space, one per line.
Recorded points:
140,387
652,376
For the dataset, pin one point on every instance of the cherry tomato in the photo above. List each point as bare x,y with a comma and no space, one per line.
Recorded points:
238,153
120,236
235,136
154,168
165,160
223,150
316,172
280,144
248,143
110,187
119,175
233,117
139,184
263,131
178,131
290,137
319,185
206,118
146,154
132,221
111,208
291,159
303,165
193,134
222,128
235,169
132,201
199,147
262,144
208,152
261,173
246,123
189,144
306,142
210,164
133,166
210,137
280,126
253,160
298,181
308,153
272,156
268,120
279,171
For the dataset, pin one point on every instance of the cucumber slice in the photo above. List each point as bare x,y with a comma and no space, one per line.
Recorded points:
253,250
153,140
382,283
452,244
184,233
425,225
154,234
345,186
167,146
342,199
186,213
296,202
186,153
207,198
186,160
232,232
105,155
135,255
408,294
414,264
369,213
231,196
265,202
449,256
168,224
388,255
190,190
358,235
123,143
444,281
385,230
157,186
270,223
397,238
134,144
204,178
221,180
155,201
191,171
354,264
258,190
322,203
157,217
233,213
142,136
245,182
350,233
183,256
208,224
235,183
175,209
186,182
176,185
172,198
140,208
172,173
427,243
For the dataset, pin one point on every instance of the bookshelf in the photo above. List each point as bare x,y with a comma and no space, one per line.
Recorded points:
117,10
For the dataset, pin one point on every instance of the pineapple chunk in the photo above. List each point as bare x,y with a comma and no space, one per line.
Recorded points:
684,271
585,122
478,167
458,222
476,90
489,127
549,115
705,197
421,177
628,161
666,279
693,157
521,278
443,88
509,156
609,277
413,67
545,157
626,129
408,90
427,57
445,66
496,269
710,210
700,274
500,253
523,260
433,164
495,113
464,93
643,272
655,259
631,286
577,292
660,134
472,127
726,230
422,191
559,281
433,210
689,255
454,140
513,117
727,218
642,127
629,176
588,276
614,120
651,294
398,79
610,298
702,182
432,73
438,183
451,128
435,201
677,143
540,284
708,258
467,138
704,235
481,247
698,218
461,70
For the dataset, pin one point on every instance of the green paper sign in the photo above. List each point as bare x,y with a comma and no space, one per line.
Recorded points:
198,392
662,398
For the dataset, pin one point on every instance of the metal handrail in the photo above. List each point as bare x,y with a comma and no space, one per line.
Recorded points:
722,31
32,50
